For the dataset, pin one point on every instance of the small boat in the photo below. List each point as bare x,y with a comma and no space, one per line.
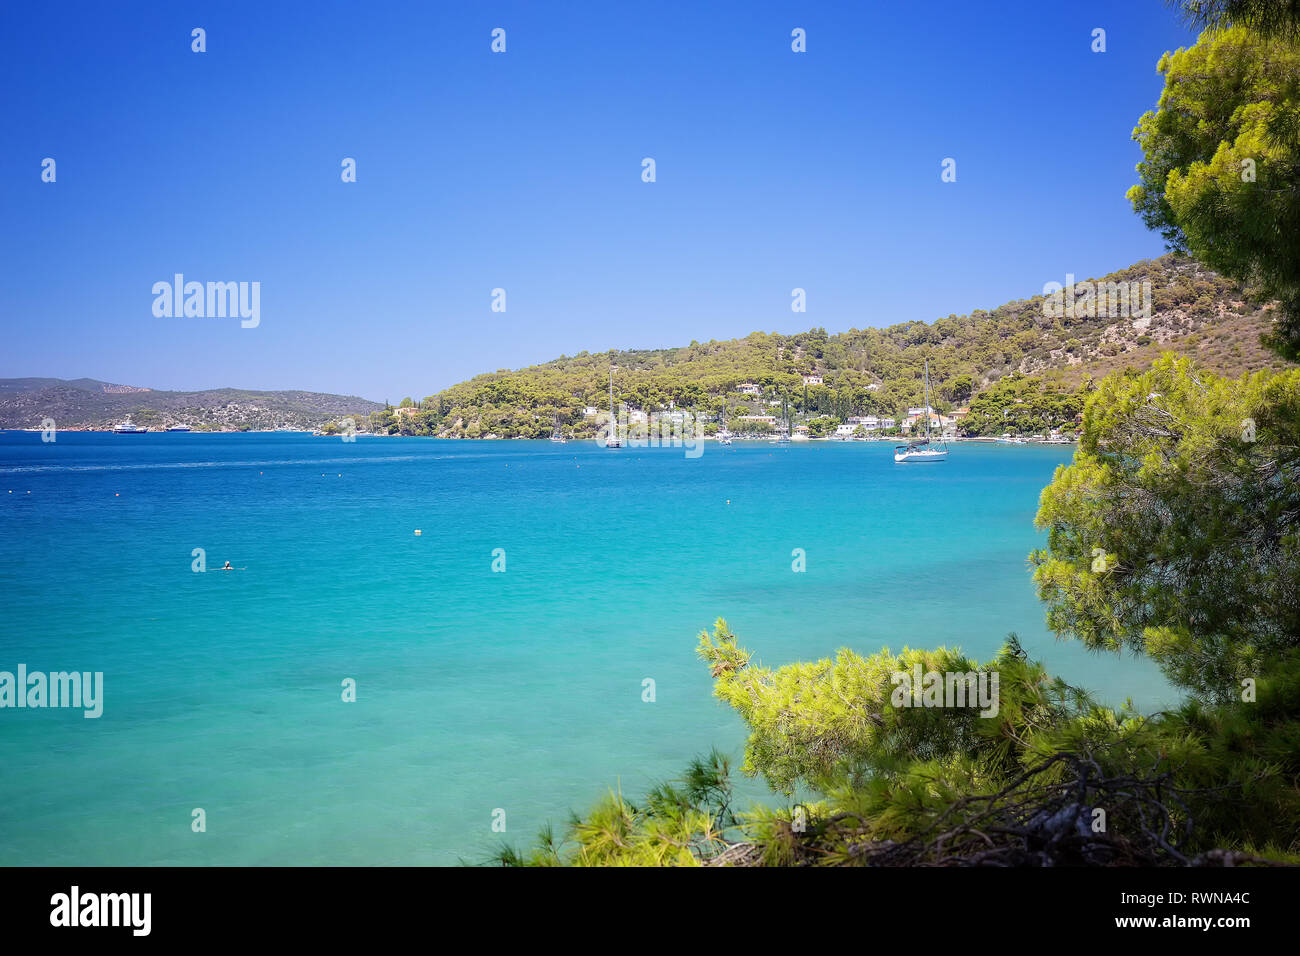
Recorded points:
555,434
127,428
179,428
922,450
724,438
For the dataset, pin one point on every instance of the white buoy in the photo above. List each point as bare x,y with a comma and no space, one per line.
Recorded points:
417,531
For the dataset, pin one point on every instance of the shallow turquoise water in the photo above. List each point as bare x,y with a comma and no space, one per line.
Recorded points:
476,690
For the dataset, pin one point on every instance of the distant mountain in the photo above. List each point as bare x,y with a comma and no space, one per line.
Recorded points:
89,403
1189,310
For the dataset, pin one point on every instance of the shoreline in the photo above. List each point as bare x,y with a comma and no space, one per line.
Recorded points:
892,440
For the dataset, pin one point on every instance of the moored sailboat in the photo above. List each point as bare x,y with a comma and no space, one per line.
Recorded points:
611,440
922,450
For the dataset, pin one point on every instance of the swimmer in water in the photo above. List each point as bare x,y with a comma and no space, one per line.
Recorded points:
227,567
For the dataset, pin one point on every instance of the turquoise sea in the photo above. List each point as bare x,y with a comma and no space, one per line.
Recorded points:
476,690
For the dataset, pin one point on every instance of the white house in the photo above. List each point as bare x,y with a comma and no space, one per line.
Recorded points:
591,411
936,420
812,379
749,388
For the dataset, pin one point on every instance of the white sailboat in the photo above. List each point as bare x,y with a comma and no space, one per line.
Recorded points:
783,438
611,440
922,450
724,434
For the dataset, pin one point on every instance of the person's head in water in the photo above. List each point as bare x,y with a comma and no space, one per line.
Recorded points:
227,567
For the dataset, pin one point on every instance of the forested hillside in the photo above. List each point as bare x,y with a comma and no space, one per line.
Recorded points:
1018,350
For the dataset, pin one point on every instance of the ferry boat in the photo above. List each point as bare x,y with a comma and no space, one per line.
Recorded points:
179,428
127,428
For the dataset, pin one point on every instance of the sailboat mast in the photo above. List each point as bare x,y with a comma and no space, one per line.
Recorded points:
613,422
927,400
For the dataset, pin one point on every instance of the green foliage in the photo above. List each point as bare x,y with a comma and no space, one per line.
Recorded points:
678,824
1024,404
894,779
1222,164
831,723
1279,18
822,426
1176,530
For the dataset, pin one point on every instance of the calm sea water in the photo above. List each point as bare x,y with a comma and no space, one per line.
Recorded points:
475,690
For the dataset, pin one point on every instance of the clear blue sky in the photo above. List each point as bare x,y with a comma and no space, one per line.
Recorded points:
523,171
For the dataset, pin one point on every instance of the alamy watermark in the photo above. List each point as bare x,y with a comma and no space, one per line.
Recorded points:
215,300
949,689
1078,300
128,910
36,690
670,429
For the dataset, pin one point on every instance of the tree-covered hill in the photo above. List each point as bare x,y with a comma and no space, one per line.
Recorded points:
89,403
871,371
